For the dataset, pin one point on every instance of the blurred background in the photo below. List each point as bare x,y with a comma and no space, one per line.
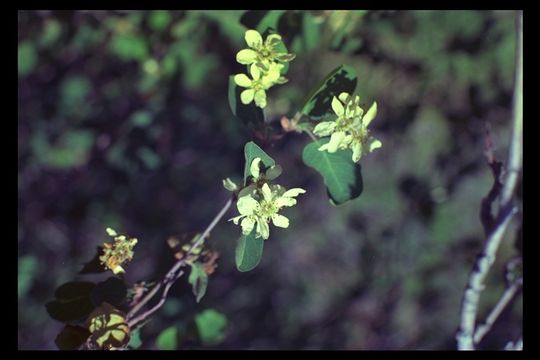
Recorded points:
124,122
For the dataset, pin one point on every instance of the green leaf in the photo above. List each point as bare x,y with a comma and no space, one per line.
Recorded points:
27,58
168,339
112,291
252,151
159,19
129,46
211,326
318,103
310,32
28,269
251,115
72,301
343,177
135,341
71,337
249,251
198,280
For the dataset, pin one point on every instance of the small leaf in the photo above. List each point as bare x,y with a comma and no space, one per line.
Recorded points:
252,151
71,337
198,280
108,327
211,326
135,342
251,115
72,301
343,177
168,339
94,265
249,251
112,291
318,103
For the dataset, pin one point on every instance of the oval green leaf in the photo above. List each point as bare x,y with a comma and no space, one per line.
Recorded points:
249,252
72,301
168,339
252,151
198,280
342,177
318,103
71,337
211,326
112,291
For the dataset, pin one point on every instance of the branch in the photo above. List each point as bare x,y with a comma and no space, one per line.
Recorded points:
518,345
173,274
475,285
497,310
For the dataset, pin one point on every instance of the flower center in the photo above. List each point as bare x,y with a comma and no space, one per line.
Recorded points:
267,209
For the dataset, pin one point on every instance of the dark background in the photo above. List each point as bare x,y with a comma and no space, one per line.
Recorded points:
124,122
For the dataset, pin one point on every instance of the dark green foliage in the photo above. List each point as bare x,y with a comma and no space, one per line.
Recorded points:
112,291
252,151
71,337
73,301
318,103
342,177
249,251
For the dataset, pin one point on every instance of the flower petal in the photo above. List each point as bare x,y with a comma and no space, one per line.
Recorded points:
263,229
247,96
236,219
284,57
253,38
293,192
323,147
260,99
255,71
285,201
335,141
267,193
254,169
357,151
242,80
247,205
370,115
374,144
344,97
324,128
272,40
280,221
337,106
246,56
247,225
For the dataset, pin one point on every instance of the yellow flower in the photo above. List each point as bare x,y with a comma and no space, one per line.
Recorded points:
350,129
259,213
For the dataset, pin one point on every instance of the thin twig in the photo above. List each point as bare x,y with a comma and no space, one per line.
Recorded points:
475,285
173,274
160,303
311,135
465,337
516,346
516,146
497,310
